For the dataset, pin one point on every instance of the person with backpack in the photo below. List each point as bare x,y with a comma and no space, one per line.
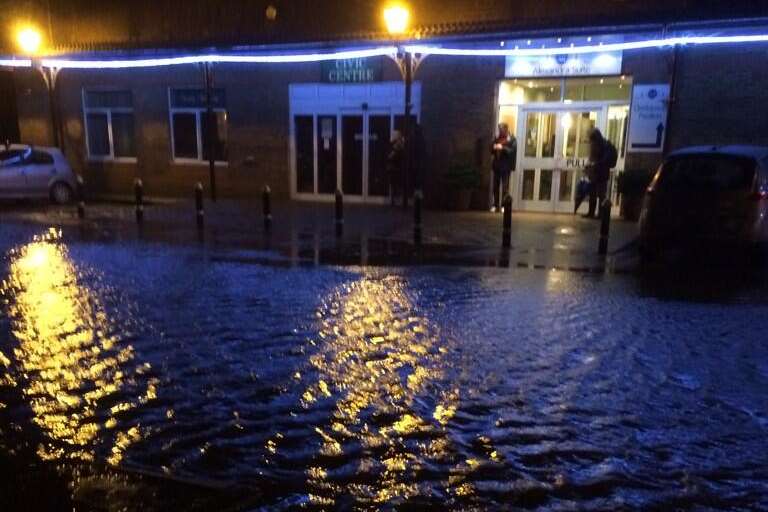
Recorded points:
602,158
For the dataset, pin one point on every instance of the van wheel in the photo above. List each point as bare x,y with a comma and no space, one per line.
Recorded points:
61,193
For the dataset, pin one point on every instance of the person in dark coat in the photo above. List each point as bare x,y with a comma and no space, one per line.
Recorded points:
395,163
504,151
598,170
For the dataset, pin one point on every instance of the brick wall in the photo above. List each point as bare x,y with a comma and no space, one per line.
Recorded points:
459,117
722,96
257,106
721,99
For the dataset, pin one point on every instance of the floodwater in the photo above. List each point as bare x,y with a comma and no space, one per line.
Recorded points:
338,388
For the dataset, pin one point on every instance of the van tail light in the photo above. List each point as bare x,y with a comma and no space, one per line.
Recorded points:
759,195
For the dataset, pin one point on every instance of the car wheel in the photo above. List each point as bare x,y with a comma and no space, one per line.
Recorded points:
61,193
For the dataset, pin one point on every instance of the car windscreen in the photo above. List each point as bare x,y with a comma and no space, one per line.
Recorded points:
37,156
10,155
707,172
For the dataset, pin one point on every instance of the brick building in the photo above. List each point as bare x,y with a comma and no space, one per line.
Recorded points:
307,128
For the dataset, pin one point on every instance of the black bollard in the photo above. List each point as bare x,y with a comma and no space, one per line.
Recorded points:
138,192
339,213
506,232
605,227
80,198
199,204
266,207
418,197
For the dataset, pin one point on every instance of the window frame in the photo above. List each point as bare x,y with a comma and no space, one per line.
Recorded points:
199,112
108,111
627,80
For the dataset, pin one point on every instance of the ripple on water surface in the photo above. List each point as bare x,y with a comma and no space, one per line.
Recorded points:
450,388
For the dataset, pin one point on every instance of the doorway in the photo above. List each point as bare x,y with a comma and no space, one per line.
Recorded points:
551,119
555,151
364,146
341,138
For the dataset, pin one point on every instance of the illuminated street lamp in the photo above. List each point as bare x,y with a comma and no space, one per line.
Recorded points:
29,40
396,19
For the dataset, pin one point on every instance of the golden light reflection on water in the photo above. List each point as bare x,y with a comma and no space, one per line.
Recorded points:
379,361
71,361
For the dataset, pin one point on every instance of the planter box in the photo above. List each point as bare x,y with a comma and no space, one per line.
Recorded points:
631,205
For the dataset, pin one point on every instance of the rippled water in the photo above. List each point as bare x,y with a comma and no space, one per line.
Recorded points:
339,388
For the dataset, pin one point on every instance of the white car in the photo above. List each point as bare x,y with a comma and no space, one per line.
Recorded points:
36,172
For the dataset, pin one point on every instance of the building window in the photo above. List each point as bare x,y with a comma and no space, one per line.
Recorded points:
109,126
521,91
189,125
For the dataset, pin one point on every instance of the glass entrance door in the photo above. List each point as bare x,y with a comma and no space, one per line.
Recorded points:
365,137
345,149
538,162
555,150
575,127
379,135
352,141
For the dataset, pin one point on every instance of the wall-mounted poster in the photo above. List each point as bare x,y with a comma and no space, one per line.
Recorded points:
648,120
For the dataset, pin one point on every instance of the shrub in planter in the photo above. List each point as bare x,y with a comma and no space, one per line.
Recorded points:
459,181
631,185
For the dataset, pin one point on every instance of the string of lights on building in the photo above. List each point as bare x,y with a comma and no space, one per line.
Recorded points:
299,57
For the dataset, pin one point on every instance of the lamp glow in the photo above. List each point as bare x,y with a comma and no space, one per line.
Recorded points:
29,40
396,18
15,63
214,58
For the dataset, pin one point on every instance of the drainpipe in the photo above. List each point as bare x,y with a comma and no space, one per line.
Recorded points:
672,97
209,133
50,76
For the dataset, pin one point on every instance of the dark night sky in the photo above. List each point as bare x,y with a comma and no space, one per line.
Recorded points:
146,23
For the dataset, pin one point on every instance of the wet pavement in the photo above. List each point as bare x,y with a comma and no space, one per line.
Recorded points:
154,371
304,233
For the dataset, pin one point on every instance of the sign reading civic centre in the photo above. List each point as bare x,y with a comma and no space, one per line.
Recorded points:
648,118
352,70
529,66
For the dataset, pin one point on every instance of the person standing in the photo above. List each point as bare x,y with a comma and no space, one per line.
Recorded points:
602,157
504,151
395,165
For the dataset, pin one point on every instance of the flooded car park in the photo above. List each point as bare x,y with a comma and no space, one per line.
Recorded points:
340,387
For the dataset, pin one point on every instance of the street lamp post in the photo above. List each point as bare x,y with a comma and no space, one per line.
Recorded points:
396,18
29,41
50,76
210,131
408,146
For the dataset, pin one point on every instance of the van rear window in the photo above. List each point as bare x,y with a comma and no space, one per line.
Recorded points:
712,172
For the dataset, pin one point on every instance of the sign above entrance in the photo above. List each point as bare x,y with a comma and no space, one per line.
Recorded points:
527,66
352,70
648,119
